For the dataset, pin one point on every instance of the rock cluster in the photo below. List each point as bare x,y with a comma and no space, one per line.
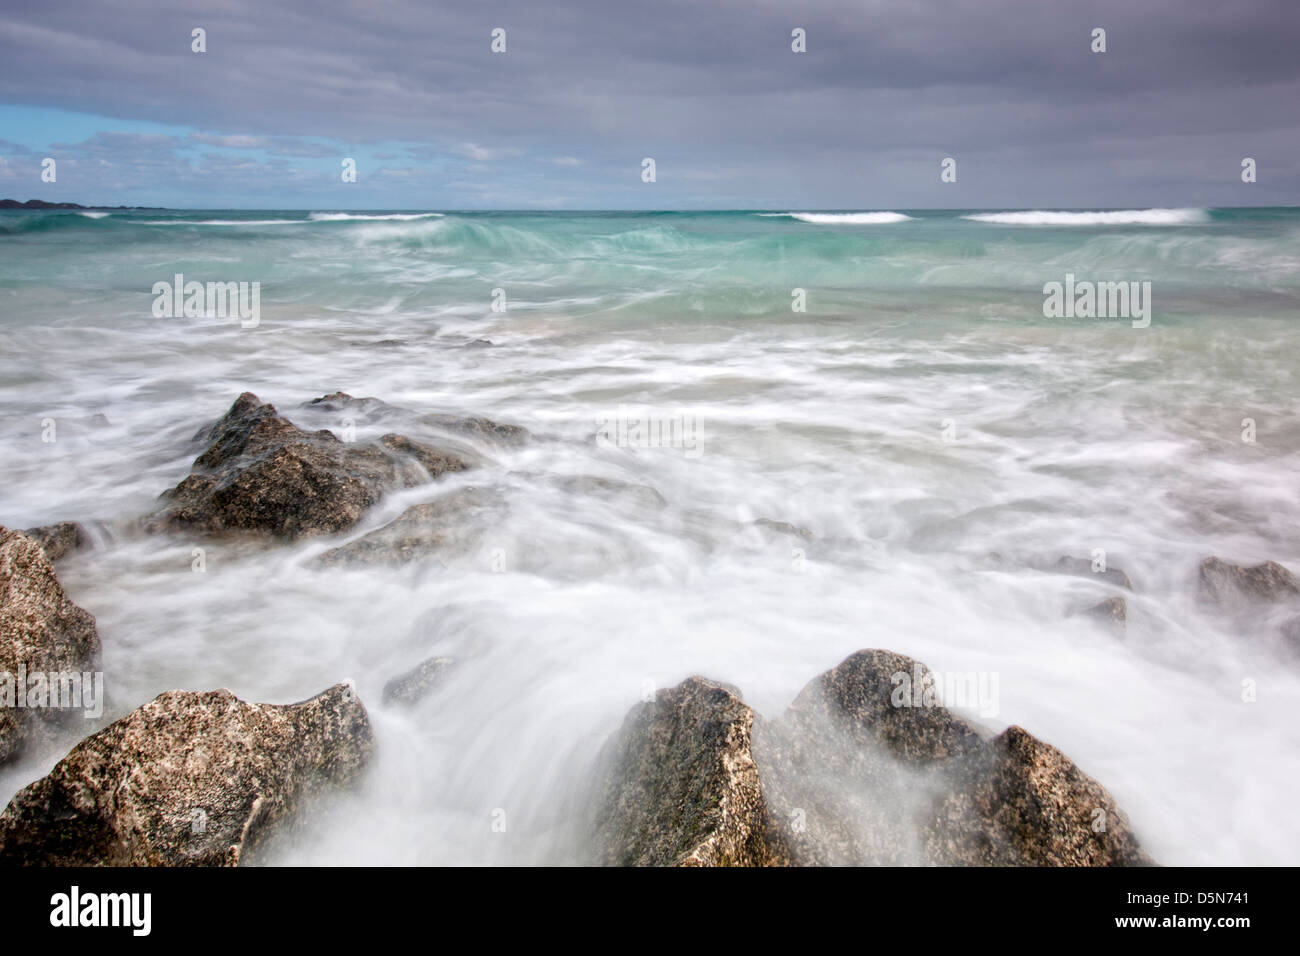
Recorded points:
853,773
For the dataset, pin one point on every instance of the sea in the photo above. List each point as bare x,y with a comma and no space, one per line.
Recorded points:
863,429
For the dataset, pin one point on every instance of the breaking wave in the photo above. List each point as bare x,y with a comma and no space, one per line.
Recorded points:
1118,217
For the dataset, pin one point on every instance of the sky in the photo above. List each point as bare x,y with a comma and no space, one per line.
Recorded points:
711,90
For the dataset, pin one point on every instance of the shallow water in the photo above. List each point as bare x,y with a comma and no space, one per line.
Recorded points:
937,435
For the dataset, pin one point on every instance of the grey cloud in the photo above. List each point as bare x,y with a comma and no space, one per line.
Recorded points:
886,89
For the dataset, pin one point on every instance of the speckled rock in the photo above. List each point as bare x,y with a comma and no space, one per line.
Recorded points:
679,786
853,766
41,630
1233,587
866,767
880,696
1021,802
189,779
56,540
261,473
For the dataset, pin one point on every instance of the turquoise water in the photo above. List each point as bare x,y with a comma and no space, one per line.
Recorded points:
936,433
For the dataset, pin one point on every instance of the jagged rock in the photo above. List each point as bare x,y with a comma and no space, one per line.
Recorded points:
56,540
1024,803
41,631
1233,587
189,779
852,768
1112,612
1082,567
377,410
862,695
448,525
680,786
261,473
415,684
867,767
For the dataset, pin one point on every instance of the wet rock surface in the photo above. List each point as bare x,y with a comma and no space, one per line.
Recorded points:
680,786
261,473
41,631
189,779
57,540
1021,802
886,774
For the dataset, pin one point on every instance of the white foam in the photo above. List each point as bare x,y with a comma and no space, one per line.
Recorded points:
1117,217
843,218
93,215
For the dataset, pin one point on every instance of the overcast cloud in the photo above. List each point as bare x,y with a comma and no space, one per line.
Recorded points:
710,89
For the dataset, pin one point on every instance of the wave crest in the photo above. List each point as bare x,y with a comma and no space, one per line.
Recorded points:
843,218
1117,217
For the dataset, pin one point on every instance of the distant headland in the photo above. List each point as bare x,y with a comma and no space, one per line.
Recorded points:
42,204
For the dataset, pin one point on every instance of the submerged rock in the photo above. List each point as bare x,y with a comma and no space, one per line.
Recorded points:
261,473
1082,567
56,540
189,779
604,489
784,527
376,410
448,525
1233,587
41,632
1113,612
679,784
417,683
